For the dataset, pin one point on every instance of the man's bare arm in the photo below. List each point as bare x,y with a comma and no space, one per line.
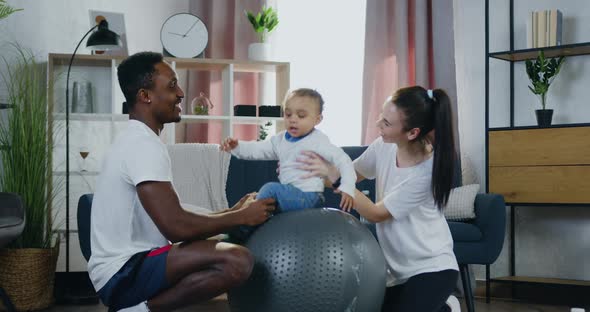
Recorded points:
176,224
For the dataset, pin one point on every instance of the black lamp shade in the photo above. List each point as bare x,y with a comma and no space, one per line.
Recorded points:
103,38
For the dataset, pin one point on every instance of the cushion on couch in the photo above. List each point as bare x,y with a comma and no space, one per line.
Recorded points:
461,204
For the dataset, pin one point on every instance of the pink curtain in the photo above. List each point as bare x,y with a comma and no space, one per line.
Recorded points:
229,36
401,38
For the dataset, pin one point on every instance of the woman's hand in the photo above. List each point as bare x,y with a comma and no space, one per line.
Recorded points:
317,166
347,202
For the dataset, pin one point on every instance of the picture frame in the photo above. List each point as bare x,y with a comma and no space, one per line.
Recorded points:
116,22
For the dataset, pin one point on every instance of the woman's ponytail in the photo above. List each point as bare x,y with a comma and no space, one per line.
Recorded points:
444,148
430,110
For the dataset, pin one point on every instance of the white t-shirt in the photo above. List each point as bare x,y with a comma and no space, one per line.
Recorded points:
120,227
287,152
417,239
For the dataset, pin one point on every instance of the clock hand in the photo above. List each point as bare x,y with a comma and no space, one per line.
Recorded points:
195,23
181,35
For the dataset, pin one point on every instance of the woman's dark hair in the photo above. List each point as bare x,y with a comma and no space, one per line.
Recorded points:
136,72
430,110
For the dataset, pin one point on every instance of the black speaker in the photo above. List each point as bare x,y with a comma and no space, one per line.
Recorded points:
270,111
245,110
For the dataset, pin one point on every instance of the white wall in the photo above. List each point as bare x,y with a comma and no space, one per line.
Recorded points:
56,26
326,52
550,241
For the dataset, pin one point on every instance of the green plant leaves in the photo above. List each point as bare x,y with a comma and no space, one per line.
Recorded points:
541,72
264,21
6,10
252,19
27,147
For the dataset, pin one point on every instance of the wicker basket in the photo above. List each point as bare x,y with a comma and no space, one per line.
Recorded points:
27,276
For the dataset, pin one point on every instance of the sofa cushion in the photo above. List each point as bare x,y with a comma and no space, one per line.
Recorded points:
464,232
461,204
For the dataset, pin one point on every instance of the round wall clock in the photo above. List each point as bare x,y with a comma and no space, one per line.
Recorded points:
184,35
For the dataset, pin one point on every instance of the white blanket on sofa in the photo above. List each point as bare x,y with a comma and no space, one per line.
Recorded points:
199,175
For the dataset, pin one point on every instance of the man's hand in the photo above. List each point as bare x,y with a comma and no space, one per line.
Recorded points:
347,202
228,144
254,212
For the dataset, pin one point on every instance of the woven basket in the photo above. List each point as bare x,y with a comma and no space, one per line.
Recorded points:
27,276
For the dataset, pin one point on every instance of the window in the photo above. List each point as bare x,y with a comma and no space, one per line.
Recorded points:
326,52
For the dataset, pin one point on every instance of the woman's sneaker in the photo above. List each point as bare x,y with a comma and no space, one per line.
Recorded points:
454,304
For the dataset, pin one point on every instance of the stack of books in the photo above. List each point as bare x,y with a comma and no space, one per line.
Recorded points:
544,28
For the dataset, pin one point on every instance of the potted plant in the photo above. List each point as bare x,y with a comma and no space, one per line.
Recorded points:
542,71
263,23
27,266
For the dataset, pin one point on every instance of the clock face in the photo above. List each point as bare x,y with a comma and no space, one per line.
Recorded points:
184,35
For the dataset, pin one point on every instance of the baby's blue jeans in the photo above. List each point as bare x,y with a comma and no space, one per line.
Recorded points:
288,198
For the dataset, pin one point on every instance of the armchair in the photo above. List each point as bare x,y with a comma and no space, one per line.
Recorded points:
479,241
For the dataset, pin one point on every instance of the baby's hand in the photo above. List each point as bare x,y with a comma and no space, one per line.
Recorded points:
228,144
347,202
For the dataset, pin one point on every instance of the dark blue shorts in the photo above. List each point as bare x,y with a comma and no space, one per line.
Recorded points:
142,277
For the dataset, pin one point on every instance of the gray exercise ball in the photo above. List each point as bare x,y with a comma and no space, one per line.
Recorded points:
313,260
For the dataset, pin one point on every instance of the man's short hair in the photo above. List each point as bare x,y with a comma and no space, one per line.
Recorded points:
136,72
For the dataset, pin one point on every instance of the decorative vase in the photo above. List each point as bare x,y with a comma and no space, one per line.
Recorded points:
27,276
82,98
544,117
266,83
259,52
201,105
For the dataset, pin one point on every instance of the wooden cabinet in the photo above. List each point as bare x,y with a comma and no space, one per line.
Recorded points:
548,166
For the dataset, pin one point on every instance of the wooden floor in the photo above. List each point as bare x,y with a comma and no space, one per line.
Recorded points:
220,305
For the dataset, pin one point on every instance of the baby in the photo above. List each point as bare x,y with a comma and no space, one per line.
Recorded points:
302,112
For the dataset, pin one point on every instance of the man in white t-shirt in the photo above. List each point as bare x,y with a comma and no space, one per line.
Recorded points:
148,254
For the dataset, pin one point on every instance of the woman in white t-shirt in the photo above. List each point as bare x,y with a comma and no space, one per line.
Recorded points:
412,164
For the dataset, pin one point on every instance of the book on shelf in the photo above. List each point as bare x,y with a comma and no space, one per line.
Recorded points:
544,28
530,31
555,27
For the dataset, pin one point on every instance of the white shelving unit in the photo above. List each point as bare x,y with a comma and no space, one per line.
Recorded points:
97,130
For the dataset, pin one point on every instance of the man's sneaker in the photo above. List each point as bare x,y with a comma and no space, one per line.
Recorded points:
454,304
142,307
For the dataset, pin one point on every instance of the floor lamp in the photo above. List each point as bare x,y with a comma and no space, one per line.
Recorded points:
100,40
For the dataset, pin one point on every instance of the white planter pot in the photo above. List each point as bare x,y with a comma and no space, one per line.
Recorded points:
259,52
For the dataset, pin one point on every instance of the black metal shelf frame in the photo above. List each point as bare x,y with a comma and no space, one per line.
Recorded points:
513,56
